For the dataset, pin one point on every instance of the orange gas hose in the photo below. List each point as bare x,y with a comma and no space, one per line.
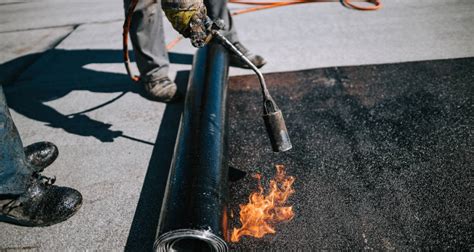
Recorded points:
174,42
272,4
126,29
377,4
259,5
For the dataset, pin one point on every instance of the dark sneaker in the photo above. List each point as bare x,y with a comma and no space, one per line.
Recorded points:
40,155
161,89
235,60
43,204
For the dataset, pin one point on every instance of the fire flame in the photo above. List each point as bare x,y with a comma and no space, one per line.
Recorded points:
264,210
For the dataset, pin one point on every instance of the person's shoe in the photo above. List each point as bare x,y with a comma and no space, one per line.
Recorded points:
161,89
40,155
43,204
236,61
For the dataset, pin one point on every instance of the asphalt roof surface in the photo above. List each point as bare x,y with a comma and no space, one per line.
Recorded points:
382,154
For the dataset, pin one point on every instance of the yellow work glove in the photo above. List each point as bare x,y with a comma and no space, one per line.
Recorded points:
189,18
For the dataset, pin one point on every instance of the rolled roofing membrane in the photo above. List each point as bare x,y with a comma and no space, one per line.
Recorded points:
194,213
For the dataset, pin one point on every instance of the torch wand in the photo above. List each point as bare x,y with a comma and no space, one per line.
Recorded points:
272,115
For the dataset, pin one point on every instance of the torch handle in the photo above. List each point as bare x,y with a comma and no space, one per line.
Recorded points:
234,49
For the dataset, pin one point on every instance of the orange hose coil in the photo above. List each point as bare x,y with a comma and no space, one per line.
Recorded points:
260,5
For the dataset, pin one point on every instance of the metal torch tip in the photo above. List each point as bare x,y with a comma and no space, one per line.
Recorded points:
277,132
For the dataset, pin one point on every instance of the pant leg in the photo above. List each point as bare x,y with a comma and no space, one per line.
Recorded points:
14,174
147,35
218,9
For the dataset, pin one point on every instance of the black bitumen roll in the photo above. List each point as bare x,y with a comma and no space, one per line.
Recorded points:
382,155
194,211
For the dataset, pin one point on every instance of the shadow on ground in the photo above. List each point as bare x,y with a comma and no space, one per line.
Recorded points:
59,72
145,222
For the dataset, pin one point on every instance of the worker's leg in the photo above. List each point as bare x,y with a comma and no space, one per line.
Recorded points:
147,35
217,9
14,173
26,197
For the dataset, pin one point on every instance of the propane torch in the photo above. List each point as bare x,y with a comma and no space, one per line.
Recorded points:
272,115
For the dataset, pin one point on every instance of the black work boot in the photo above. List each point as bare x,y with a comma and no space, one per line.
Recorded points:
235,60
43,204
40,155
161,89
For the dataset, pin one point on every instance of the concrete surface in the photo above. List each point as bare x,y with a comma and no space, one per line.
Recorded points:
29,14
16,45
62,58
319,35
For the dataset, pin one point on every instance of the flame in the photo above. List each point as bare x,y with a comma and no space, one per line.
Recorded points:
264,210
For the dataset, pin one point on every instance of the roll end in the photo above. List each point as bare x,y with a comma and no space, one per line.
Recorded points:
187,239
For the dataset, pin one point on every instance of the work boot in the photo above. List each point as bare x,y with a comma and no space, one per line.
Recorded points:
43,204
161,89
40,155
236,61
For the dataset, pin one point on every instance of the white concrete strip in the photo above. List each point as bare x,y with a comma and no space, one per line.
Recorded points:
34,14
20,49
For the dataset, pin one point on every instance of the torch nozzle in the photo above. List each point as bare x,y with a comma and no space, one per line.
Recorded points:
276,127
